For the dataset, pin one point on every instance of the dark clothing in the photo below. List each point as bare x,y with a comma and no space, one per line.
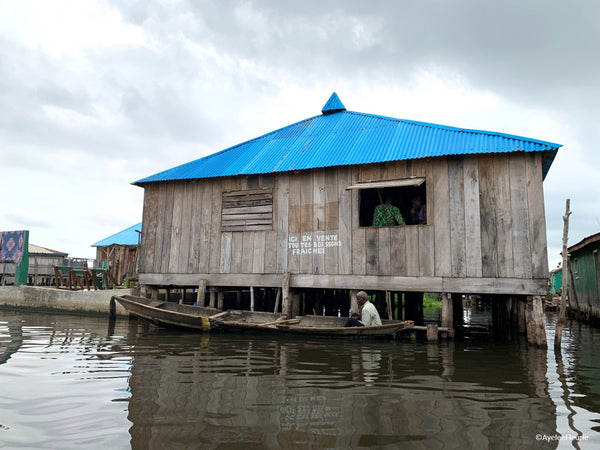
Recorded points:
352,322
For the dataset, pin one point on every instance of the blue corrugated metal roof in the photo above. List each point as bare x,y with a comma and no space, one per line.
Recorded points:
129,236
339,137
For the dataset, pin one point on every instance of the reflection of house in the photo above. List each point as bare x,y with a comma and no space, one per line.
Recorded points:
584,277
118,252
300,200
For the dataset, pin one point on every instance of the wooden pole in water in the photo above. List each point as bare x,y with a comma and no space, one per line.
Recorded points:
285,296
201,294
447,314
277,299
562,314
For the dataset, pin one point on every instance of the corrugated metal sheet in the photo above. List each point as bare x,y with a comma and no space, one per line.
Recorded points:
339,137
43,251
126,237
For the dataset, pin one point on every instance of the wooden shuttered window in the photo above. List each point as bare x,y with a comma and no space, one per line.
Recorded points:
250,210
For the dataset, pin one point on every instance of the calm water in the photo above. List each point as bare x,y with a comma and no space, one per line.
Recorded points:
80,382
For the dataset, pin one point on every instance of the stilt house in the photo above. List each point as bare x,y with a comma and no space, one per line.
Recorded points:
118,253
301,200
584,276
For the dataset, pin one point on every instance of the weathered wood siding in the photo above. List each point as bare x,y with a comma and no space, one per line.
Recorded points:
485,230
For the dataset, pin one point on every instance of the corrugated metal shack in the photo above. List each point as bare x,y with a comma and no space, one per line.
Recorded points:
301,200
584,278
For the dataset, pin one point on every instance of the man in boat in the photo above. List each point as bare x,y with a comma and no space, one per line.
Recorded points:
368,312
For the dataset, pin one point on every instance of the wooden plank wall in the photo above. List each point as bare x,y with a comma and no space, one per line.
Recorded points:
485,220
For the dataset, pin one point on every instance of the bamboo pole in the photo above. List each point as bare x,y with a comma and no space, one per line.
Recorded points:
562,314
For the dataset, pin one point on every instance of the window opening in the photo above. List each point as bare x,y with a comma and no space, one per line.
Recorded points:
410,201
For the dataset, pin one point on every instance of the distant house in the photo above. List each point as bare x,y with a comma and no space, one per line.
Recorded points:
41,264
584,274
118,252
301,200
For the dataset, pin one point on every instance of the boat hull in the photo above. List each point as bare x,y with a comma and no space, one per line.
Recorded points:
323,326
166,314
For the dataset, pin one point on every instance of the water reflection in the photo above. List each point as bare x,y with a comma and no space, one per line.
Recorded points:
272,393
72,381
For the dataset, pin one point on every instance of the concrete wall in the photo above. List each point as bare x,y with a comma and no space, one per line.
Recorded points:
47,298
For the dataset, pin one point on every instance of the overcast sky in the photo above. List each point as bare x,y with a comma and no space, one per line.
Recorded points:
97,94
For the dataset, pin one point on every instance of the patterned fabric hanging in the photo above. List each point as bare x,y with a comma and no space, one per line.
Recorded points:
12,244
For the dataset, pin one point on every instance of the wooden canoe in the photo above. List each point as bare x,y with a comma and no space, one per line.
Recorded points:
168,314
308,325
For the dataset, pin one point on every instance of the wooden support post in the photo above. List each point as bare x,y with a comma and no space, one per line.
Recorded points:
562,313
388,303
251,298
432,332
521,315
295,304
535,322
201,295
212,298
220,298
286,310
447,315
353,303
277,300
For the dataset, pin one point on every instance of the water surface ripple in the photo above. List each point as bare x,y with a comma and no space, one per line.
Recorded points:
80,382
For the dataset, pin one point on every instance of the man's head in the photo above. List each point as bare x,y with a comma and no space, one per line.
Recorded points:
361,298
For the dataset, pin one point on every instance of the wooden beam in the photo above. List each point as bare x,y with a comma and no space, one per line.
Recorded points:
509,286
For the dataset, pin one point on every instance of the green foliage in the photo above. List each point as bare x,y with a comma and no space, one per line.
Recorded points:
432,301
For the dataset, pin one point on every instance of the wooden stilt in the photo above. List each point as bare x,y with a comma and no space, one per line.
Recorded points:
388,303
251,298
432,332
536,330
447,314
294,304
220,298
353,303
521,315
277,300
212,300
285,295
201,295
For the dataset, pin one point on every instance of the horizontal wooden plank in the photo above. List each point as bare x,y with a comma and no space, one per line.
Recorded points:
234,217
246,203
212,279
414,181
246,192
250,209
510,286
250,227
